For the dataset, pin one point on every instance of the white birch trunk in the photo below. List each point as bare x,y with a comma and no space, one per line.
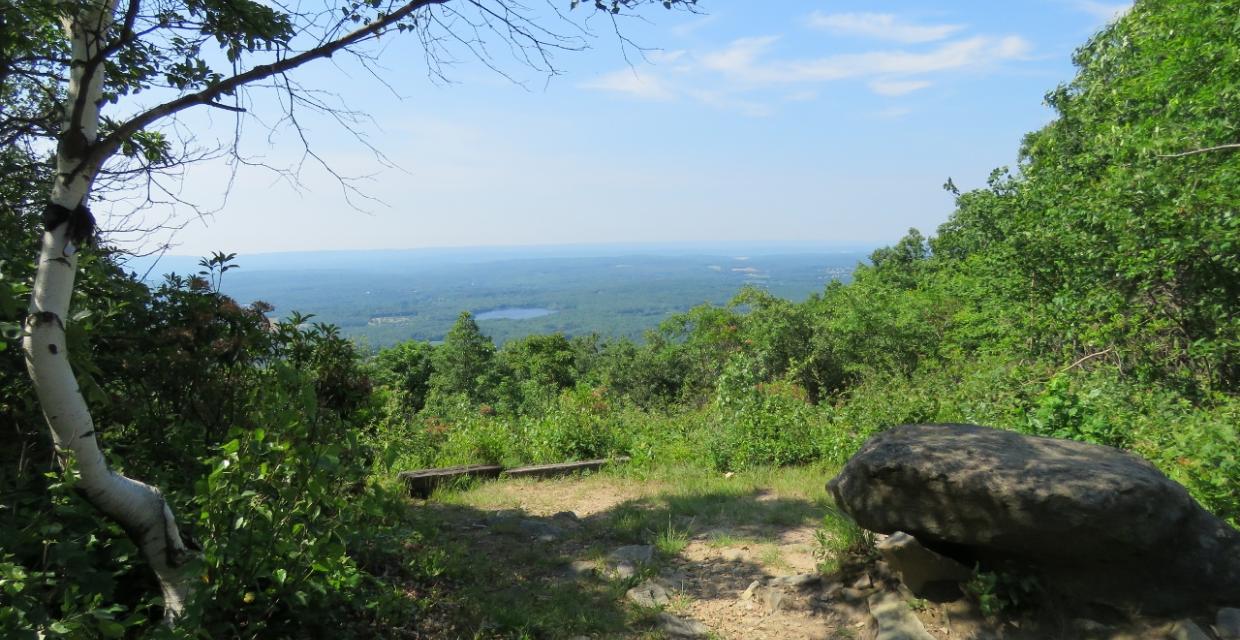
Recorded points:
139,508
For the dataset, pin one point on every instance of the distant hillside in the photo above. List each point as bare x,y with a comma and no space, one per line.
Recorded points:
385,297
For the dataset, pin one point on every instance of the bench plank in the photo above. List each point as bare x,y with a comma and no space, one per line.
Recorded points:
423,481
560,469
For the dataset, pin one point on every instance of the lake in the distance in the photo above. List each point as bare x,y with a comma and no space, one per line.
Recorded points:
514,313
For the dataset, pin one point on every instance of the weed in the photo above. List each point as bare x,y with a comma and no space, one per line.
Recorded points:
671,540
999,591
771,556
838,538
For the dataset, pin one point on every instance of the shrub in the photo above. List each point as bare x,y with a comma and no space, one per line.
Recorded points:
759,423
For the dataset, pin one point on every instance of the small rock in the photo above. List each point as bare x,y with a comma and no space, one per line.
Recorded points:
1227,624
567,519
851,594
771,600
864,581
1186,630
625,561
503,515
800,581
918,566
1085,625
830,590
648,594
677,627
751,590
632,554
895,620
539,530
672,578
582,568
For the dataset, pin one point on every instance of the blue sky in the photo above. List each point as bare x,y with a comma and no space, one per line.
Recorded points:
814,121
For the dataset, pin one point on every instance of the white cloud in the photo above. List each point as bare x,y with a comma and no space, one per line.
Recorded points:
1102,11
893,113
749,76
665,57
729,102
742,61
804,95
886,87
686,29
647,86
739,56
883,26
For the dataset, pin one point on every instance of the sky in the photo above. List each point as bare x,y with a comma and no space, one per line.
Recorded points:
822,122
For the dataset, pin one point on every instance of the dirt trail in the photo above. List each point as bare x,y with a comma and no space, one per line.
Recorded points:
535,559
711,543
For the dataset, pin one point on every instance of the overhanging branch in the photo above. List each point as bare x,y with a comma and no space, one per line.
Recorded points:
209,96
1193,152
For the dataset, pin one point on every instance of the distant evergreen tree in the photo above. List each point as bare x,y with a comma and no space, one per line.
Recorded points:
465,362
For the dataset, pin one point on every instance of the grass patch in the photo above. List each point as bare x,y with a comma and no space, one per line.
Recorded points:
838,538
671,540
771,556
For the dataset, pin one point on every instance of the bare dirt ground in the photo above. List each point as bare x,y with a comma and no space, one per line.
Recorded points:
533,559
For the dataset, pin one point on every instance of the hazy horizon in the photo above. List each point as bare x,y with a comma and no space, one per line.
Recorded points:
787,122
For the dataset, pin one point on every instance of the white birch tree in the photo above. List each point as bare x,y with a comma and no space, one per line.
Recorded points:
204,54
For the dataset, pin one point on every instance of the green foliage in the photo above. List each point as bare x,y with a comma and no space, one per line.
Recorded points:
759,423
276,512
1000,591
465,363
670,540
1062,413
581,425
61,575
839,540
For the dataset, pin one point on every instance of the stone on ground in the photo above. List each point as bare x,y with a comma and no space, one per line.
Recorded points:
625,561
800,581
677,627
1097,523
649,594
582,568
539,530
1186,630
918,566
1227,623
895,620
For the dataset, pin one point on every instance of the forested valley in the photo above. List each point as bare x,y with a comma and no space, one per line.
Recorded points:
1092,292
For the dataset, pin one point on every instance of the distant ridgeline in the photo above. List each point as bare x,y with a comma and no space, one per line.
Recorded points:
385,297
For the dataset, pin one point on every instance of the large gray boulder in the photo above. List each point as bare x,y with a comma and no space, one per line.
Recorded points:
1094,521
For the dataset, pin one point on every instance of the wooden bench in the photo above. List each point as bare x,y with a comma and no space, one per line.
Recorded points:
560,469
423,481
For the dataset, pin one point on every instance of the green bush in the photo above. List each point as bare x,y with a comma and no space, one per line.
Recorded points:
275,513
759,423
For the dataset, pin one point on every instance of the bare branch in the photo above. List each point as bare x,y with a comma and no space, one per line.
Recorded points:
1193,152
112,142
225,107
